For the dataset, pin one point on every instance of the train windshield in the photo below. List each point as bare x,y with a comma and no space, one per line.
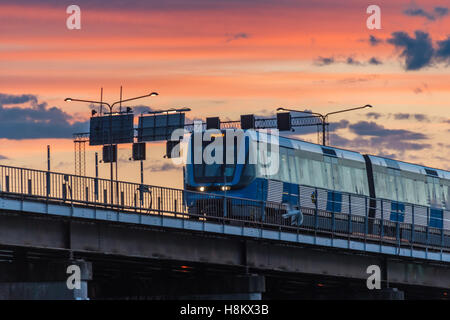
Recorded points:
213,173
216,172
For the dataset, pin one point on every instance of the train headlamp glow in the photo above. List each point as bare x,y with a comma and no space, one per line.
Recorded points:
217,135
201,189
225,188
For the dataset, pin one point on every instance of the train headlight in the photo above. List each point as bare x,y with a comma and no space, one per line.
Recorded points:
225,188
201,189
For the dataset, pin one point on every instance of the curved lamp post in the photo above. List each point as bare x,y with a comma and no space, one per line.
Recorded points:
323,117
111,106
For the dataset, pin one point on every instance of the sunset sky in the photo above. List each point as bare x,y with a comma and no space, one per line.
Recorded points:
226,58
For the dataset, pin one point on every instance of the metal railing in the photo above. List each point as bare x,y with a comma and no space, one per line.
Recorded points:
355,218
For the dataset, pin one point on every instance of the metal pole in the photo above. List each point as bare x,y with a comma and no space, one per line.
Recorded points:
323,131
117,175
117,153
48,171
111,154
142,172
48,157
96,177
101,101
120,104
96,165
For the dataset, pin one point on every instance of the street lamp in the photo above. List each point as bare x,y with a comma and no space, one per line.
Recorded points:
111,106
323,117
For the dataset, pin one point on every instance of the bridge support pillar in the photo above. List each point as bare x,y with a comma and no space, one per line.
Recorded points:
55,290
387,294
189,287
46,281
381,294
245,287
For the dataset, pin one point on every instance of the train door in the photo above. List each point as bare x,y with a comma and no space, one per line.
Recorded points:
434,192
290,188
397,206
435,199
334,197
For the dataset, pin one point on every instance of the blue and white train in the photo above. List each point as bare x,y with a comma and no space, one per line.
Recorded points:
329,179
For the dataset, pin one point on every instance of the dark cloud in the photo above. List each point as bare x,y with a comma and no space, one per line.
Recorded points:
241,35
419,13
401,116
374,115
421,117
374,40
443,50
323,61
438,12
237,36
352,61
418,51
338,125
159,166
36,120
417,116
3,157
374,61
391,144
7,99
443,145
137,110
441,11
365,128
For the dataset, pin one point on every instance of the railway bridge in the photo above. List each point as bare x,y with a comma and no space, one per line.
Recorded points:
146,244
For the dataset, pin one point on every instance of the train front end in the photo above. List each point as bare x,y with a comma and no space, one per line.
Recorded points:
218,168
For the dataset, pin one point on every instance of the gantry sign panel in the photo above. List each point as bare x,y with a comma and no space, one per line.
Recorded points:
113,129
160,126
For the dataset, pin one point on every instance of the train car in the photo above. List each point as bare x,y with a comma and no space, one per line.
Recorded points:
331,181
410,194
309,175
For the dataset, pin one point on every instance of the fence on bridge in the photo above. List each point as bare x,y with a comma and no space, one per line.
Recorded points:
355,219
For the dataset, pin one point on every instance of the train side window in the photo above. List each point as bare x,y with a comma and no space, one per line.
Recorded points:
284,169
262,161
421,192
272,154
305,173
317,170
364,183
294,171
410,192
446,193
399,182
301,176
434,192
348,179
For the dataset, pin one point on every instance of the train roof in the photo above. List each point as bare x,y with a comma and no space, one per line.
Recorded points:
298,144
356,156
315,148
411,167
